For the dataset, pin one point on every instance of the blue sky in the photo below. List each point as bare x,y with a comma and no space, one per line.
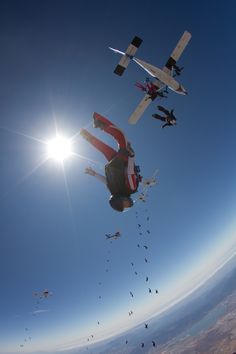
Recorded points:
55,66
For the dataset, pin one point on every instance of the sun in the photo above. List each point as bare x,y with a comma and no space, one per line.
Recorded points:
59,148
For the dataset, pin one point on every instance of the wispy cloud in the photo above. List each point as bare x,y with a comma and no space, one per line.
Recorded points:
37,312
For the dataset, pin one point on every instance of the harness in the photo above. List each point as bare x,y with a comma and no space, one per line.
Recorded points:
116,175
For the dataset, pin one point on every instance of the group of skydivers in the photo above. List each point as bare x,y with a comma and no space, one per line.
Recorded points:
131,293
40,296
122,175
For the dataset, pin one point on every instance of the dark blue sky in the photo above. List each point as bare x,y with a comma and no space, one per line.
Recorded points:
55,66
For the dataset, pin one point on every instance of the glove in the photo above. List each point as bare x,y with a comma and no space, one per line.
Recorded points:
90,171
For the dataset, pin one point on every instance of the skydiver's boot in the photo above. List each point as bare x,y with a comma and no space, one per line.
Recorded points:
86,135
99,121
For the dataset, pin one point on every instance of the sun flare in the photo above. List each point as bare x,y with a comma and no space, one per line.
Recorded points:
59,148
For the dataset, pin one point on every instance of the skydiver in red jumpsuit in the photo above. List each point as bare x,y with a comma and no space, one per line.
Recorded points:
121,174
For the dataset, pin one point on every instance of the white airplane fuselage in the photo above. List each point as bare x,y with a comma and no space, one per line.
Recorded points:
162,76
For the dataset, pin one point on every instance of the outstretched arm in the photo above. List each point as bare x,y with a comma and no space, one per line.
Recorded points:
93,173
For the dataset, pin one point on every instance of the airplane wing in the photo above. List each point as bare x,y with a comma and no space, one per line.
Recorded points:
177,52
127,56
135,116
142,106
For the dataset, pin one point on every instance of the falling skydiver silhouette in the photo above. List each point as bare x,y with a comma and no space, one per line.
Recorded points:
169,117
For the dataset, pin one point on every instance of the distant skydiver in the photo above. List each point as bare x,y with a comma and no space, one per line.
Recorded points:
150,290
169,118
146,278
146,325
43,294
131,294
153,343
142,345
122,175
177,70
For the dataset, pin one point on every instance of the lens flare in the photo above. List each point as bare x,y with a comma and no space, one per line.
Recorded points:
59,148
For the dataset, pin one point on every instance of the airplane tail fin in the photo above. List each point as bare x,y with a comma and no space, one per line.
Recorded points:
127,56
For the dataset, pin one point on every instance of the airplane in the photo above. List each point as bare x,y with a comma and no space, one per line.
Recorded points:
115,236
164,77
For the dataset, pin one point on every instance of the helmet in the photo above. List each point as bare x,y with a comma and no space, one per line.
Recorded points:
119,203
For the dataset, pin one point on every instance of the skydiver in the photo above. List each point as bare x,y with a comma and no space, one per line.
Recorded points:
132,263
126,342
157,291
99,297
151,89
122,175
169,118
146,325
142,345
98,323
148,231
146,247
135,273
150,290
177,70
139,225
138,245
146,260
153,343
147,218
131,294
146,278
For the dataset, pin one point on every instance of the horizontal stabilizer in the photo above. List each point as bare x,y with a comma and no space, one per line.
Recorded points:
119,70
136,42
127,56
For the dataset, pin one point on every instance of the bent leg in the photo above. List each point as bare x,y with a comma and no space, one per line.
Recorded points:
106,150
163,109
111,129
157,116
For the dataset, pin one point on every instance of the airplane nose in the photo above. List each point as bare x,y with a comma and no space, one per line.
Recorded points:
182,90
